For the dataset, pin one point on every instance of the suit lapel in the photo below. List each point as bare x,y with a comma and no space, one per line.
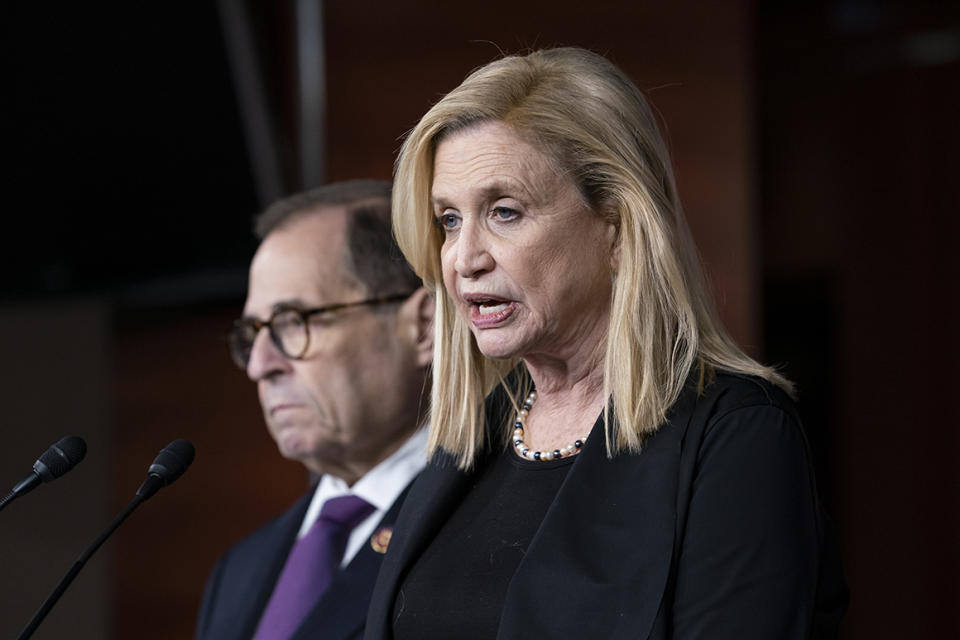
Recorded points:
433,496
259,580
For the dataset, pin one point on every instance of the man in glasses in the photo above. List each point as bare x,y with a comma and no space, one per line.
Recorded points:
336,334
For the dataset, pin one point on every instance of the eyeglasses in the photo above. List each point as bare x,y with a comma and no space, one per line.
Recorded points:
289,329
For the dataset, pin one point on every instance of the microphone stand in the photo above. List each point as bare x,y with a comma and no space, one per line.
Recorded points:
77,566
169,465
7,499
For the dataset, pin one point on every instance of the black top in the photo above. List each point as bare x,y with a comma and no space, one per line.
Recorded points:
458,586
712,531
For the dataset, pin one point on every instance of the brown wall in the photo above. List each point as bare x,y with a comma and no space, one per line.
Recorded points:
56,379
860,208
387,63
819,185
694,60
173,378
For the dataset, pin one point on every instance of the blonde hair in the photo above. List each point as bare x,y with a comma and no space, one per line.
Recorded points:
586,115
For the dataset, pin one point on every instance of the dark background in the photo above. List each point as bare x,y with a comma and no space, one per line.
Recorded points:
816,151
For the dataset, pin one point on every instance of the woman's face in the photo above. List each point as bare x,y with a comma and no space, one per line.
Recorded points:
525,260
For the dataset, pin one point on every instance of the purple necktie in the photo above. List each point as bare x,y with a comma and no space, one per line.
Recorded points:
310,567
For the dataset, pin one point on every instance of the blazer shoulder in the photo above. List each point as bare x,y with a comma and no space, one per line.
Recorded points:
239,584
729,391
726,396
285,524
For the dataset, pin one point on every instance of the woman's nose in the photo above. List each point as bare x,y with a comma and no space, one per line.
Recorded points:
473,251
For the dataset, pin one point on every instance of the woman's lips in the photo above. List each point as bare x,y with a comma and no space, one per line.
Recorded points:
491,313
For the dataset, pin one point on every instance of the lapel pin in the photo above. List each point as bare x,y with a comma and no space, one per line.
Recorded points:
381,539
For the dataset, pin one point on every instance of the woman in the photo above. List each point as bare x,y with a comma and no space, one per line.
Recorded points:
632,474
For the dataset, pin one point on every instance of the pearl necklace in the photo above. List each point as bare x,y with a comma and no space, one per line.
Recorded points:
525,451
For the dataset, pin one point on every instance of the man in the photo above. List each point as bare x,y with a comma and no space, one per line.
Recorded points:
336,333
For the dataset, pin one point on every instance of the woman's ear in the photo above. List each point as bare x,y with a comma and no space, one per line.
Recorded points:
418,313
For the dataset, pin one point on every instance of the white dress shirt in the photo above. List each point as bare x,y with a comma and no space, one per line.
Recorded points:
380,487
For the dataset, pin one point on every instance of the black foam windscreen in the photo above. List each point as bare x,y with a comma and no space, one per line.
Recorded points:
60,458
172,461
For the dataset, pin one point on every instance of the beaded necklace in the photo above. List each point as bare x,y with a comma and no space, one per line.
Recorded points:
525,451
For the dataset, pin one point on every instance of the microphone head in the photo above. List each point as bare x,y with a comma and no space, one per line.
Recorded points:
172,461
60,458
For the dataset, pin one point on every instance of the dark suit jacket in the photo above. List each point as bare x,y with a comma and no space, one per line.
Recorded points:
241,583
714,531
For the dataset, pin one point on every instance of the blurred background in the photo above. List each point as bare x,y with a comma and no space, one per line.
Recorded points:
815,145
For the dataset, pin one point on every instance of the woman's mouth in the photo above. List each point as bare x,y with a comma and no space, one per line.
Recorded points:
487,309
486,313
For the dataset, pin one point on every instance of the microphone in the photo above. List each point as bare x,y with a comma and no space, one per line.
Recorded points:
169,465
53,463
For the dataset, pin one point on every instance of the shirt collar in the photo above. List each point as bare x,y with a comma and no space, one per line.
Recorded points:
380,486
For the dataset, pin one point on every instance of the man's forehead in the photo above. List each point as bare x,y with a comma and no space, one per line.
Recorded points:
302,260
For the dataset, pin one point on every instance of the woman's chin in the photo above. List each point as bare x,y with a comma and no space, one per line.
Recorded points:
496,347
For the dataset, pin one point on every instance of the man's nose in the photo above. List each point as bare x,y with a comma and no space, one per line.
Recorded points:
265,358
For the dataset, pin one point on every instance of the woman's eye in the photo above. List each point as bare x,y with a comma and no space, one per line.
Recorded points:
447,221
504,213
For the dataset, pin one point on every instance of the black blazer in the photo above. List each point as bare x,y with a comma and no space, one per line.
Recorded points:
714,531
243,579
